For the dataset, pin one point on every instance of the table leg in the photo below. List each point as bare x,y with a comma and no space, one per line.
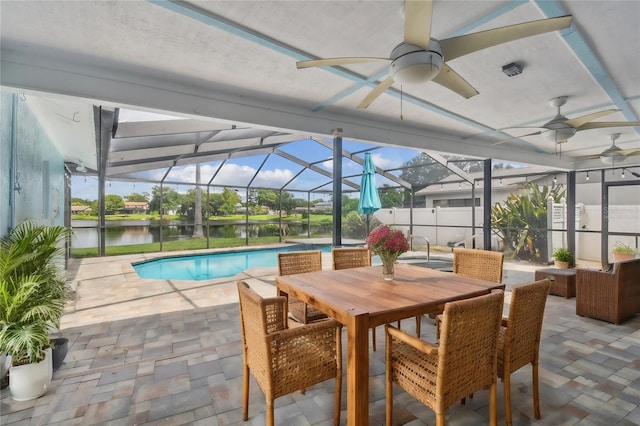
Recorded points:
358,370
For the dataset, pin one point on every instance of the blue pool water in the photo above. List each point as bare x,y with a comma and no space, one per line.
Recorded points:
210,266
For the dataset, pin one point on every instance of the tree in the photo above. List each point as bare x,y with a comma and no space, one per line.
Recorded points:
420,172
267,197
231,199
75,201
140,198
170,199
390,197
287,202
521,222
216,201
349,205
113,203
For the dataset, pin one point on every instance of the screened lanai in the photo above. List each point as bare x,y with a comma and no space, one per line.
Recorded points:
185,154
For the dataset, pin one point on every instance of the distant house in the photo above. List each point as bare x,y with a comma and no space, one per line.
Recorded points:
135,207
81,210
448,192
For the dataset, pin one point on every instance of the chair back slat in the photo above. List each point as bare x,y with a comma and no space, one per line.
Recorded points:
524,326
482,264
350,257
298,262
468,347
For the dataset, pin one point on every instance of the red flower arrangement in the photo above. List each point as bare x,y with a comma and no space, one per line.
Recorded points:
387,243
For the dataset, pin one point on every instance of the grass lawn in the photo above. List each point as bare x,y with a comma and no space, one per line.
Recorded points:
191,244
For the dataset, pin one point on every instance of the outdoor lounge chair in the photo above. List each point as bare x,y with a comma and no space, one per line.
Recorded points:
612,296
464,361
297,262
284,360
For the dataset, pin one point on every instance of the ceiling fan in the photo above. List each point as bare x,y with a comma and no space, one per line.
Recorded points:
560,128
421,58
614,154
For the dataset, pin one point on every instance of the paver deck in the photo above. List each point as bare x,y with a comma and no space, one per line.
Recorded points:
168,352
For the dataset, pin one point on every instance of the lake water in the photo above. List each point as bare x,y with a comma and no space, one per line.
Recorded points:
129,232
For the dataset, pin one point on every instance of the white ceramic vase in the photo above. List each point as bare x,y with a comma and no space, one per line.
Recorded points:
31,381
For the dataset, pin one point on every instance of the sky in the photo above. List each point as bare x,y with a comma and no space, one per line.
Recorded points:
275,173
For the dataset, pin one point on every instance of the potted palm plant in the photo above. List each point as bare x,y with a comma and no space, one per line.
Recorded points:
623,251
33,292
562,258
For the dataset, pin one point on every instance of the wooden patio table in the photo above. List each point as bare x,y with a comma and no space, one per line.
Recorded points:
360,298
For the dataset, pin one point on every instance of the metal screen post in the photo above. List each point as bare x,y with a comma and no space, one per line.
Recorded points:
486,208
571,213
337,187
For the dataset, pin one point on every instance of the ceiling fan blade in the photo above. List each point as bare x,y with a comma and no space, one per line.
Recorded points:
606,124
417,22
338,61
516,137
455,47
579,121
373,95
629,152
450,79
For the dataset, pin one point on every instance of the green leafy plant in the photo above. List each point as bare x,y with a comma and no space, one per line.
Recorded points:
521,222
623,248
33,290
562,255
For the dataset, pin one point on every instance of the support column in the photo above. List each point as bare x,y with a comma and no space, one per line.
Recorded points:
337,187
604,224
486,207
571,213
104,126
473,214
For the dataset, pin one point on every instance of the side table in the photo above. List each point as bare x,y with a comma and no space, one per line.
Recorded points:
563,282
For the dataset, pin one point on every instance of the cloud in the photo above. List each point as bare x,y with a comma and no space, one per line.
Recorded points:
385,162
273,178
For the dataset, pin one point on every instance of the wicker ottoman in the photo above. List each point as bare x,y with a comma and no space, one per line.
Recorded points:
563,282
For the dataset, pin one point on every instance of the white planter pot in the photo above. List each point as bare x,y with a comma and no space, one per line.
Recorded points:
31,381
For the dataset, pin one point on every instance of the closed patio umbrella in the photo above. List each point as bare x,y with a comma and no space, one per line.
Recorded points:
369,198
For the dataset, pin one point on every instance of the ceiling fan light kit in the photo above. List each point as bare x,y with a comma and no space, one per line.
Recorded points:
558,133
412,64
613,154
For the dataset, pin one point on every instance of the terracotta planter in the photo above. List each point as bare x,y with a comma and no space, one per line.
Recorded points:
561,265
619,257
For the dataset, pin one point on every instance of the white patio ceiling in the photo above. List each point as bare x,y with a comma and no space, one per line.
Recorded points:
232,63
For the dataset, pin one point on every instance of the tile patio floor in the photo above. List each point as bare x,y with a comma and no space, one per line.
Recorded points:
158,352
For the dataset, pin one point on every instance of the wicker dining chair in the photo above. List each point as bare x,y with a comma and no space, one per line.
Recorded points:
297,262
519,338
284,360
353,257
350,257
465,360
482,264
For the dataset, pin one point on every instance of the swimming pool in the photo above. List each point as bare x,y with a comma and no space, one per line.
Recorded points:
212,265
